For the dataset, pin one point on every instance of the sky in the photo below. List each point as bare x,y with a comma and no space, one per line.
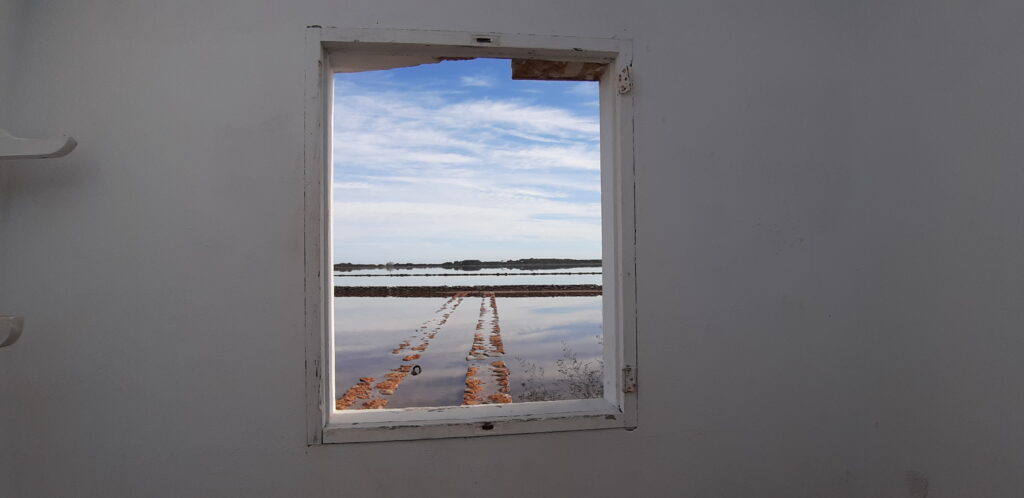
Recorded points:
455,160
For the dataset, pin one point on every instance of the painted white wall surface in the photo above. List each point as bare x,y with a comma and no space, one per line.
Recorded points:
10,16
9,27
829,254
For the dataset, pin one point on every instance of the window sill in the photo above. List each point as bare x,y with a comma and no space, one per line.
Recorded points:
471,421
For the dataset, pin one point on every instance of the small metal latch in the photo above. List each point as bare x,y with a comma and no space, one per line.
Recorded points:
628,380
625,79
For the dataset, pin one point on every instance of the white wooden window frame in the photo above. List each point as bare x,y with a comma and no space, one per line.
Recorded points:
618,407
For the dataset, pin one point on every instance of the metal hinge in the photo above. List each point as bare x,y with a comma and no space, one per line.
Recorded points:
628,380
625,79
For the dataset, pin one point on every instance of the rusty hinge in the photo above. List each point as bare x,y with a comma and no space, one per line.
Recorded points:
625,79
628,380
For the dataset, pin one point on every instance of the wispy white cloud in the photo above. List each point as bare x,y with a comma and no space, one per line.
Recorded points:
583,89
479,81
352,185
450,178
570,156
382,130
545,122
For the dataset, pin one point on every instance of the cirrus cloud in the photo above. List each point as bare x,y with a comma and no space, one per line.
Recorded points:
439,174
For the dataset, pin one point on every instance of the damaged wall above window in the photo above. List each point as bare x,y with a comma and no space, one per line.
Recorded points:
522,69
532,69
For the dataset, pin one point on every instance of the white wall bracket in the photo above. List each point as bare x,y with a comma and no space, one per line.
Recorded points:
10,329
12,147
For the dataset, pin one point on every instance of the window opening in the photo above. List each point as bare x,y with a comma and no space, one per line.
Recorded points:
467,234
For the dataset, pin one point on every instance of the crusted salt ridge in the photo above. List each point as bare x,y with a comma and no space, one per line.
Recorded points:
494,388
474,384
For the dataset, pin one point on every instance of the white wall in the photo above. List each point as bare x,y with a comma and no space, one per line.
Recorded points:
829,247
945,103
10,16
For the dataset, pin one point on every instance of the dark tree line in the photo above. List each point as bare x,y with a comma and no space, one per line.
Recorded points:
476,264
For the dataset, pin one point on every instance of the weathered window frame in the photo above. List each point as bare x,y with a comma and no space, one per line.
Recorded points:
618,408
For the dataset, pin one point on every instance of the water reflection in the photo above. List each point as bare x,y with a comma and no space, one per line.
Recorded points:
552,347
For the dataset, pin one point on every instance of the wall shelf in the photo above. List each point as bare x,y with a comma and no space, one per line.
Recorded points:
12,147
10,329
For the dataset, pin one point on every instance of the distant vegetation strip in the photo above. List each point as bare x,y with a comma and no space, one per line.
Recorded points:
476,264
473,274
475,291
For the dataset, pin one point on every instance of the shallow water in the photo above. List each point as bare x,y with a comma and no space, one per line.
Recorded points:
456,271
412,277
537,332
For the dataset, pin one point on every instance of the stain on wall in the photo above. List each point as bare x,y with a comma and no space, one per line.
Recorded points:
917,484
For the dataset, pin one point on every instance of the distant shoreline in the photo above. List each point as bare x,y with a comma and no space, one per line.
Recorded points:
475,264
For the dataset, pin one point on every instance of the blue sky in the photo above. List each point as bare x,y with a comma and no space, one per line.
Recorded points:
456,160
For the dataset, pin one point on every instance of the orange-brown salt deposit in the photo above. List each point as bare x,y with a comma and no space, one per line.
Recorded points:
474,386
356,392
377,403
497,343
411,357
500,398
388,384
